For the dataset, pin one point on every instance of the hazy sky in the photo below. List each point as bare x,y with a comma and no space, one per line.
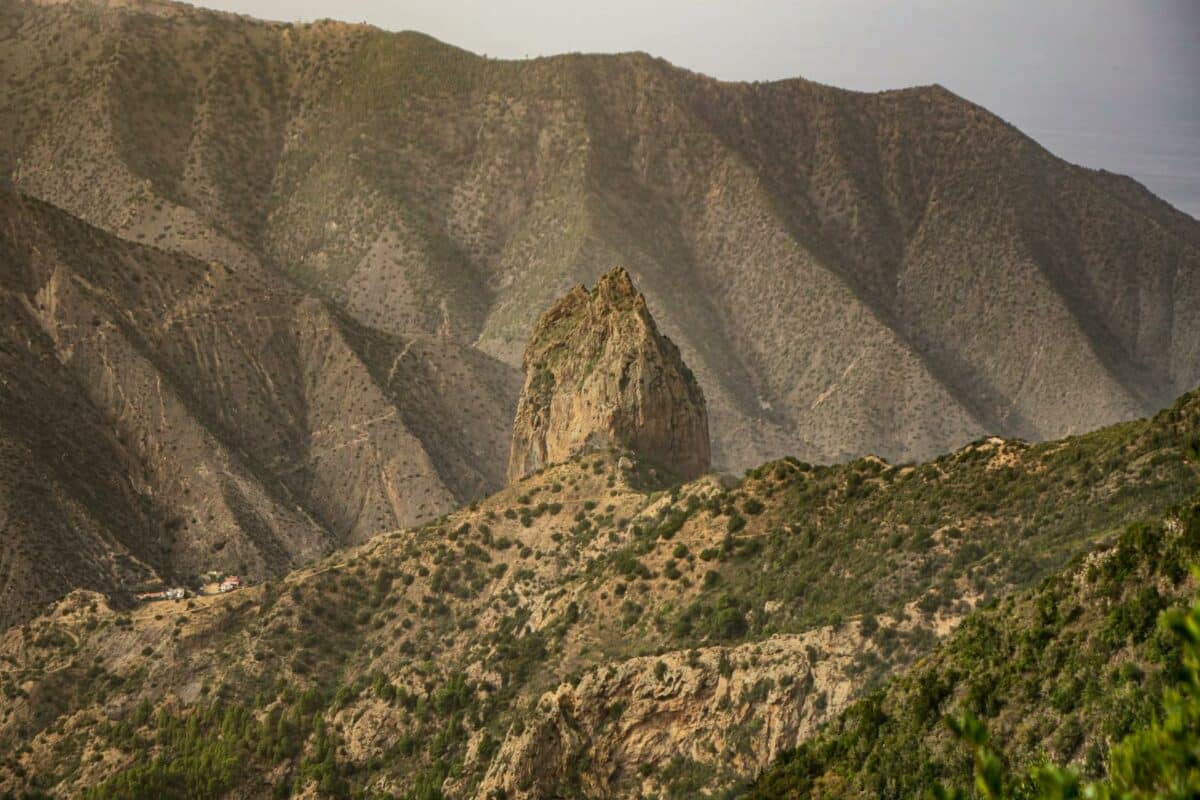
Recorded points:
1105,83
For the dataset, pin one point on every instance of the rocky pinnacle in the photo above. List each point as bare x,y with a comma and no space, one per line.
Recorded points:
598,374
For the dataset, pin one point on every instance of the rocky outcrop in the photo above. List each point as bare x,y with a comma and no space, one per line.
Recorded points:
674,723
598,374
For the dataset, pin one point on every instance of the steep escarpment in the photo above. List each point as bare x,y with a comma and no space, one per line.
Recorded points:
599,375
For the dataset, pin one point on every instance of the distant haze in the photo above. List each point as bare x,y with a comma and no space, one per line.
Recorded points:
1112,84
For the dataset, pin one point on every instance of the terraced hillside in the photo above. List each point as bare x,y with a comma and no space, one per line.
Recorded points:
583,631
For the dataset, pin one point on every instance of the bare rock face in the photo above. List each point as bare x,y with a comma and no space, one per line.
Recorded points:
713,715
598,374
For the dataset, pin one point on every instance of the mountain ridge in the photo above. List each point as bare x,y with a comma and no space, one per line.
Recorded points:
266,295
381,219
856,209
542,640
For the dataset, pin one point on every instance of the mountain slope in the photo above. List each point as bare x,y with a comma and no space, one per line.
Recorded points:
582,631
164,416
896,273
1063,670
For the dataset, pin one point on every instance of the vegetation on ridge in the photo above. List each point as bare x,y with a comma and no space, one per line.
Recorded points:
1058,673
429,652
